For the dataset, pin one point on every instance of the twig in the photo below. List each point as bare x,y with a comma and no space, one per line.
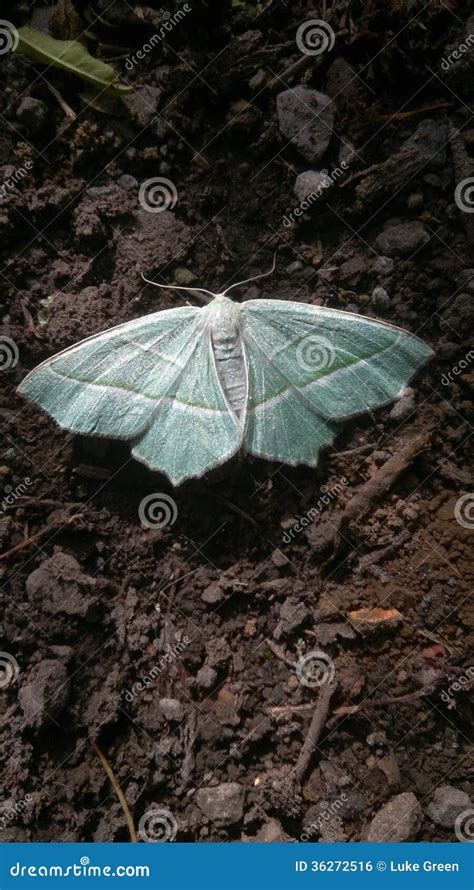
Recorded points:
315,729
123,803
278,651
282,710
403,115
189,759
300,65
372,491
59,522
62,102
360,449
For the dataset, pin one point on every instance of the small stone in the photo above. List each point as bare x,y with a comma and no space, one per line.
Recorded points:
347,153
272,833
403,239
183,276
222,804
383,265
142,104
127,182
306,118
33,113
468,280
341,80
213,594
370,621
404,406
329,633
398,821
292,615
415,201
206,677
45,694
311,186
59,585
380,299
447,804
258,79
171,709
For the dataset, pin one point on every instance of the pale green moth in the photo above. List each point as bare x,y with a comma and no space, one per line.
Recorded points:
191,387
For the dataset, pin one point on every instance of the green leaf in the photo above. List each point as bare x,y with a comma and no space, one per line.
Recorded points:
69,55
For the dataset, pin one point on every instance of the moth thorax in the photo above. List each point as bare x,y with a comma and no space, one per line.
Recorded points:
228,352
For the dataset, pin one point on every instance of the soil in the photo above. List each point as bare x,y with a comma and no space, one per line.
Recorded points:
178,650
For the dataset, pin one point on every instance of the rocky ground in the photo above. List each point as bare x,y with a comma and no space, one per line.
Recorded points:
288,657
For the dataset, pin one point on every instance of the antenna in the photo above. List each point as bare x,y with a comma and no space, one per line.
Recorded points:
254,277
178,287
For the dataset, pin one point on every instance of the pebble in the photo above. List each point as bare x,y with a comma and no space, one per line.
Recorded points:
398,821
206,677
292,615
45,693
404,406
213,594
341,80
380,299
447,804
184,277
403,239
415,201
312,184
383,265
306,118
171,709
33,113
127,182
222,804
272,833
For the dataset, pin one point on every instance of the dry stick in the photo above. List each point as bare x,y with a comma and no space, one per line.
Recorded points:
300,65
315,729
403,115
60,522
123,803
278,651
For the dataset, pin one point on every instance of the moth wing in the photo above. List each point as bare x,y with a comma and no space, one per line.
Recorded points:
280,425
342,364
194,429
111,384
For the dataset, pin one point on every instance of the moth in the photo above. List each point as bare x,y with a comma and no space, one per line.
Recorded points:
191,387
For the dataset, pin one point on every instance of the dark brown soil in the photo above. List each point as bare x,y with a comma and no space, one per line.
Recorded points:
103,617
